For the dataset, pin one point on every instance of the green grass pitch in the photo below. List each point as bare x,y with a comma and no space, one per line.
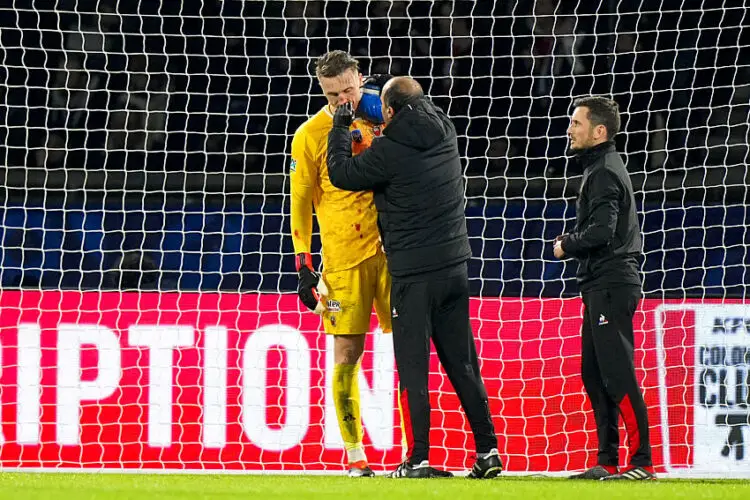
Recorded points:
55,486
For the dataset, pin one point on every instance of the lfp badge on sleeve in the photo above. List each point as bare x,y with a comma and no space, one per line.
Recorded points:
720,387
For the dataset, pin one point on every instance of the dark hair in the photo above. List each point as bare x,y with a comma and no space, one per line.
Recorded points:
334,63
401,92
602,111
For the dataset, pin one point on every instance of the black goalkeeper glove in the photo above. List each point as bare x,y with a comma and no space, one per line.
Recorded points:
311,287
344,115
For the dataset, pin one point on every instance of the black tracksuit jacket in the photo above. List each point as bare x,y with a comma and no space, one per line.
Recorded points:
414,170
606,239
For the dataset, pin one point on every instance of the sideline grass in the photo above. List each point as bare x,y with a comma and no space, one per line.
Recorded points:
225,487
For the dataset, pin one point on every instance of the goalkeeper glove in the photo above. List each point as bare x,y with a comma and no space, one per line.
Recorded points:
344,115
370,107
311,288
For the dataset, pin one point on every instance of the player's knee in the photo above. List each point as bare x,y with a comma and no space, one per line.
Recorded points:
349,356
348,351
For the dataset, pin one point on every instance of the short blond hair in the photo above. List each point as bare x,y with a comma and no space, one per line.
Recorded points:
335,63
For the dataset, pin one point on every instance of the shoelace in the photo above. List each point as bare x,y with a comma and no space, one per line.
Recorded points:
399,472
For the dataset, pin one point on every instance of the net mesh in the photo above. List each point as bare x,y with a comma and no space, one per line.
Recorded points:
145,147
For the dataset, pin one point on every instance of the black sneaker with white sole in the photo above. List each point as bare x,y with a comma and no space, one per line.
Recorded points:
418,471
633,474
595,473
487,466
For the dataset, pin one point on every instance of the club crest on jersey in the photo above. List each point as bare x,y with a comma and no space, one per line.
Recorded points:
357,135
293,165
333,306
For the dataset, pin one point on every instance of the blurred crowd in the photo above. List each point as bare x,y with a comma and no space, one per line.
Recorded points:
220,86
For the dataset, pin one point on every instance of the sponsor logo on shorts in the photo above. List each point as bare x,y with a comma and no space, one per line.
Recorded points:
603,320
394,313
333,306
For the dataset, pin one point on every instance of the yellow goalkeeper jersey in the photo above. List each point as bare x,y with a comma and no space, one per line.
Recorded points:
348,220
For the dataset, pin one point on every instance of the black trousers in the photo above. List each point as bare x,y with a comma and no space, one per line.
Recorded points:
437,307
608,373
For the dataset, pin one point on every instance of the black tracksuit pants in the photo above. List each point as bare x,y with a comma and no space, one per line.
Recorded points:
436,306
608,373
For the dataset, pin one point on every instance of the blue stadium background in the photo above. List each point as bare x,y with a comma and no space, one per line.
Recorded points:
695,250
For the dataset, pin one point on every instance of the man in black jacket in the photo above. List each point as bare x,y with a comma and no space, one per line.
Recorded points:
414,171
606,242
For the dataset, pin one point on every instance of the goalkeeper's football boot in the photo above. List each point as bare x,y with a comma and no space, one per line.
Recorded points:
597,472
418,471
487,466
360,469
633,474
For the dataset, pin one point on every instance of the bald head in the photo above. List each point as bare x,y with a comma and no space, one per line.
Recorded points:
397,93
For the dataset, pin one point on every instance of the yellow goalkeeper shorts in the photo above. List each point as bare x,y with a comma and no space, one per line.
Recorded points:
353,293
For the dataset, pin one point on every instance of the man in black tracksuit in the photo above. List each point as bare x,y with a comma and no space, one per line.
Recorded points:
414,171
606,242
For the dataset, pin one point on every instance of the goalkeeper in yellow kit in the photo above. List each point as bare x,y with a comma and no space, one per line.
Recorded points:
355,273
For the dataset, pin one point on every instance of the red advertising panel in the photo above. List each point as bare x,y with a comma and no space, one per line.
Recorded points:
242,382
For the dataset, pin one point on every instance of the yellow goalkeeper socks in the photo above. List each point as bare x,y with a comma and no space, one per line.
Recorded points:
346,400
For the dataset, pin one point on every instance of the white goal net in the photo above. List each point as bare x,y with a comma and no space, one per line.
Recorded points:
149,319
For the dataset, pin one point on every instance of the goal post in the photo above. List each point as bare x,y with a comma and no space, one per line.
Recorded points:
149,316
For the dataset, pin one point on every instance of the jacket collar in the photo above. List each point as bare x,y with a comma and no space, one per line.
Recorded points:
589,156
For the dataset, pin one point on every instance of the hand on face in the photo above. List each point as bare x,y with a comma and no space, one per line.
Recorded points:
344,115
